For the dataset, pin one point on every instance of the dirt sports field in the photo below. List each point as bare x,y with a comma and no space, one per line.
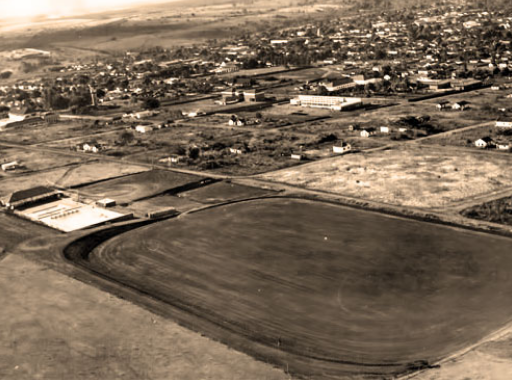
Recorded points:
138,186
298,283
418,176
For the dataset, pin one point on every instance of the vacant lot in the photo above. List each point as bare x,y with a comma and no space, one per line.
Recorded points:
35,160
301,281
224,191
497,211
410,176
129,188
14,230
69,176
41,133
54,327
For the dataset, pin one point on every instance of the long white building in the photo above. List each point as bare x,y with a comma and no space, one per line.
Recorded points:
335,103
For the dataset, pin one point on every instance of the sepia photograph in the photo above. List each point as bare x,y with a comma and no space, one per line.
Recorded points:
255,190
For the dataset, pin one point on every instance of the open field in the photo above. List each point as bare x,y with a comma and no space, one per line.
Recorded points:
35,134
467,138
14,230
496,211
323,302
224,191
419,176
141,208
33,160
137,186
69,176
54,327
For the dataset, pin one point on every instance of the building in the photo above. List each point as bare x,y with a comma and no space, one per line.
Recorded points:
231,95
341,147
298,156
485,142
442,105
384,130
10,166
334,103
106,202
368,132
144,128
460,106
254,95
504,123
18,113
336,84
26,197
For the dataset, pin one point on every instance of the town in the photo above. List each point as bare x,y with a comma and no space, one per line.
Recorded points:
209,162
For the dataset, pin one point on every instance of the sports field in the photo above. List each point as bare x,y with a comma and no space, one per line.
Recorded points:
139,186
300,284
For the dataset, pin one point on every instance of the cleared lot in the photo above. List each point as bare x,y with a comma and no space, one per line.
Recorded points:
412,176
141,185
303,286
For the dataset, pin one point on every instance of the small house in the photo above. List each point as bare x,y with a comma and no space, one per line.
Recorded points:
485,142
460,106
143,128
442,105
341,147
10,166
384,130
367,132
504,123
298,156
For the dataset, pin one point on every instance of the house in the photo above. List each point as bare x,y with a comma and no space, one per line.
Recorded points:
10,166
18,113
485,142
106,202
367,132
143,114
92,147
502,146
254,95
237,150
504,123
144,128
384,130
335,84
442,105
460,106
341,147
298,156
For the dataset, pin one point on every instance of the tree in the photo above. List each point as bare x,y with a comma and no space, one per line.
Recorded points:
127,137
100,93
151,103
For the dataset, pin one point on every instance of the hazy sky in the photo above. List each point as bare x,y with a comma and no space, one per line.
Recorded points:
29,8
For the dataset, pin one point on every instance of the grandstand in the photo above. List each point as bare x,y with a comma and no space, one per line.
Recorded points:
53,209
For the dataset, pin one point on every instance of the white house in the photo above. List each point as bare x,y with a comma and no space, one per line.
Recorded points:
298,156
460,106
10,166
384,130
484,142
367,132
503,124
143,128
341,147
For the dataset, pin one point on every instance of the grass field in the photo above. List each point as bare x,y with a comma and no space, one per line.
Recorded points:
302,284
419,176
141,185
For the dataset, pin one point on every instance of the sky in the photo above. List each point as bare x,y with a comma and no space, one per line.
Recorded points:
30,8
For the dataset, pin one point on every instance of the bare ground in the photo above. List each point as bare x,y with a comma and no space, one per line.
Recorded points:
54,327
415,176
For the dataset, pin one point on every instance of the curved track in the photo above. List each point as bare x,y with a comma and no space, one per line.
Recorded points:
327,289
